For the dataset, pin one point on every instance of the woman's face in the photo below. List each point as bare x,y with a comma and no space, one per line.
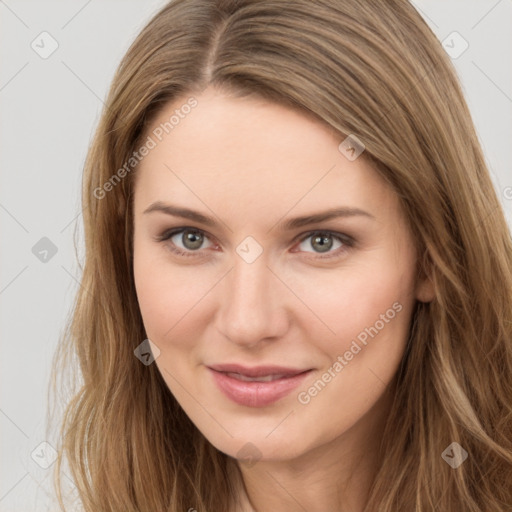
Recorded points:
274,272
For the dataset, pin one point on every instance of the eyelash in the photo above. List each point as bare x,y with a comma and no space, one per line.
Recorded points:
347,241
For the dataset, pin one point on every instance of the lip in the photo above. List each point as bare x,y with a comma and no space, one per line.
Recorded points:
256,394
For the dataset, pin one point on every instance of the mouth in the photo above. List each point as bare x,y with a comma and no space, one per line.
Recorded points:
256,386
265,378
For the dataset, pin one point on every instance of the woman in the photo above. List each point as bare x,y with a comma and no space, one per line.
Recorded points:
297,291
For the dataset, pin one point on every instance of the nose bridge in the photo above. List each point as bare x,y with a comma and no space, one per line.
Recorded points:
251,308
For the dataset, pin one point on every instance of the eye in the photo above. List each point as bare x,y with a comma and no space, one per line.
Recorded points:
188,242
191,240
323,241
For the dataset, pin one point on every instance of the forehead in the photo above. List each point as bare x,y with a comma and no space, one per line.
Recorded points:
238,151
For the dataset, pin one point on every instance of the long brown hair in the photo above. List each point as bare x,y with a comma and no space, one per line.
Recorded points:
373,69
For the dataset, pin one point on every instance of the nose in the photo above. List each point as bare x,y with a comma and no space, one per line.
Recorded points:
253,306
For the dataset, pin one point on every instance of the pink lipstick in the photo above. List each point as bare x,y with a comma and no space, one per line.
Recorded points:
257,386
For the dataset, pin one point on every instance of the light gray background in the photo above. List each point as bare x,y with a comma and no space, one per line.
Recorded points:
49,109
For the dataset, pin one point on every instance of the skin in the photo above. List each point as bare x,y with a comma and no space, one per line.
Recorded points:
250,164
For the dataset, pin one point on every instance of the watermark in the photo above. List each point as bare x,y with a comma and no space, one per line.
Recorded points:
455,45
44,45
454,455
249,455
44,249
351,147
44,455
507,193
304,397
249,249
151,142
147,352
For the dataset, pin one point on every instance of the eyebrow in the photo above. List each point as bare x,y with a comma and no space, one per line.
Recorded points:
289,224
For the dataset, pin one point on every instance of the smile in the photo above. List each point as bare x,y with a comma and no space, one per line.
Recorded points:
256,387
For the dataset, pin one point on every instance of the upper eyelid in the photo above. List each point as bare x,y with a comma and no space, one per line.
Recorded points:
168,233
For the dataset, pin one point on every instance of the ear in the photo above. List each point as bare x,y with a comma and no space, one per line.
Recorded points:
424,291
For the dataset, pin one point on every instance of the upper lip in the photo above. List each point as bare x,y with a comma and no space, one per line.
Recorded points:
257,371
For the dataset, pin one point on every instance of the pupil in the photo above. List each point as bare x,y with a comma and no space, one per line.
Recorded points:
192,239
325,243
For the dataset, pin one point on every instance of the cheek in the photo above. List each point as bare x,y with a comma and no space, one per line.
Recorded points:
162,294
170,299
367,301
370,316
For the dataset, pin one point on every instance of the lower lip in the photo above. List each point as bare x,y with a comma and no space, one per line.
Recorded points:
256,394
